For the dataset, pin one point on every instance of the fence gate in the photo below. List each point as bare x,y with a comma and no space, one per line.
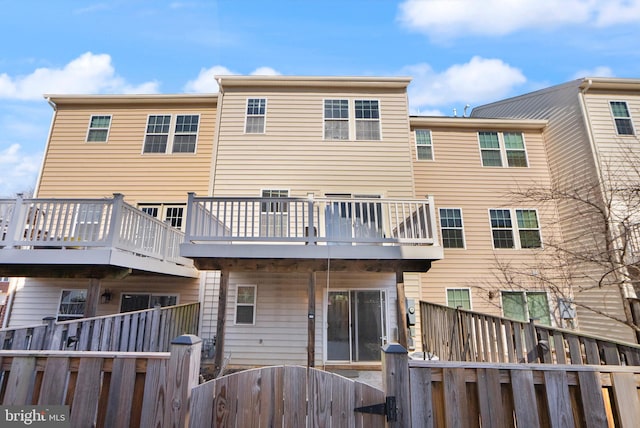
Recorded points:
284,396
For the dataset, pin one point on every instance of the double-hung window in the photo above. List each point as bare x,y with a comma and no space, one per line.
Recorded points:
336,119
367,120
171,134
98,131
502,149
256,114
424,146
246,304
523,233
526,305
620,111
459,298
451,228
346,119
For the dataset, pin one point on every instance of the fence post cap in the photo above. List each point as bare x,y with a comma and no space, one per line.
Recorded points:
186,339
394,348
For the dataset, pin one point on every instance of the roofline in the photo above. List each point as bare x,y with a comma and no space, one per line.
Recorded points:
131,98
477,123
313,81
610,83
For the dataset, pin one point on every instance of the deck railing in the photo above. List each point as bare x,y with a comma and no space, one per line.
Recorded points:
461,335
316,221
141,331
87,223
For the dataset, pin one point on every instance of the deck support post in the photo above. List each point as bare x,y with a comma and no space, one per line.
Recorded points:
218,358
401,309
311,321
395,383
93,297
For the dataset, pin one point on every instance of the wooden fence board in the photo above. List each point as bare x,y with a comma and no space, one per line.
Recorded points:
455,396
490,398
249,385
123,378
87,393
20,382
524,397
295,406
94,345
54,381
558,399
202,405
558,345
19,339
625,393
421,400
272,397
575,351
592,401
319,393
85,336
342,404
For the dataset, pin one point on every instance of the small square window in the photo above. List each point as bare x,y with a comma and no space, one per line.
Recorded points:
459,298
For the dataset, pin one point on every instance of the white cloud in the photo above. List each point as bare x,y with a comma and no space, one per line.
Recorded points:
206,82
88,74
20,170
601,71
477,81
456,18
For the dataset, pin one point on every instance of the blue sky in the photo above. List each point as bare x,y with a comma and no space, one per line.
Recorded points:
457,51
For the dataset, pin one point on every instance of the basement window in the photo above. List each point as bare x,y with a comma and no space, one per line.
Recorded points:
72,304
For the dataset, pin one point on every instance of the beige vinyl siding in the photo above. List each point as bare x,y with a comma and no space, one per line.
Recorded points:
279,335
293,154
47,293
75,168
573,162
457,179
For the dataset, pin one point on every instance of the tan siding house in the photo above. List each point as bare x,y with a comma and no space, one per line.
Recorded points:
588,156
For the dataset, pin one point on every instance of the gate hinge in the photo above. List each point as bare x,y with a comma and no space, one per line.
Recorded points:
387,408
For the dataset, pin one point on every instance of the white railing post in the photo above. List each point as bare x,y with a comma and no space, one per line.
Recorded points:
190,221
168,240
433,226
311,232
15,230
116,220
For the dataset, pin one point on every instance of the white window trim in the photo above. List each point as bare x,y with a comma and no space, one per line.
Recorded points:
246,115
58,314
515,229
325,118
446,294
352,118
503,149
255,304
615,126
89,129
464,237
415,137
162,210
171,135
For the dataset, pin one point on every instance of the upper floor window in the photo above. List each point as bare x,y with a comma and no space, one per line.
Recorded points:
502,149
621,115
525,233
451,228
99,128
424,147
336,119
162,137
367,120
256,113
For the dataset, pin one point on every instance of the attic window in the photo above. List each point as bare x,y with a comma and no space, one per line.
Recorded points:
621,115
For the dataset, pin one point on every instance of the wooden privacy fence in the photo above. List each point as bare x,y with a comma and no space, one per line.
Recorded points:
284,396
106,389
453,394
141,331
461,335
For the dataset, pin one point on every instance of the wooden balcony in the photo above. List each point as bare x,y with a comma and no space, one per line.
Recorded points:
371,234
86,238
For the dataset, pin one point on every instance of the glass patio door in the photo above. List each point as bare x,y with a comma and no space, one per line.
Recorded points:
356,325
